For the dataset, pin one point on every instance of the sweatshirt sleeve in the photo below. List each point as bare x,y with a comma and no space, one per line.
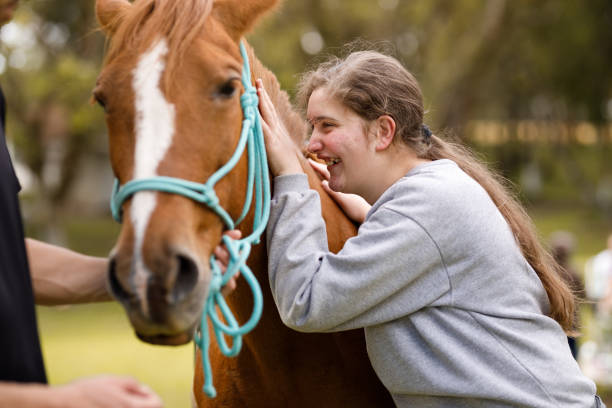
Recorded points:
389,270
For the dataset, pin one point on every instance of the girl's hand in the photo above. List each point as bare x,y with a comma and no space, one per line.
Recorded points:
282,152
355,206
222,255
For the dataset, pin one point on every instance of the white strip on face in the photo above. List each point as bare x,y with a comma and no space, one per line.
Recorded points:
154,128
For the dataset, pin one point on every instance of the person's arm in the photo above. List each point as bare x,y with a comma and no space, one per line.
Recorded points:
391,269
96,392
25,395
61,276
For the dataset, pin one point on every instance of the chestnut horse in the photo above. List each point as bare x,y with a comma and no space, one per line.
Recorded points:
170,87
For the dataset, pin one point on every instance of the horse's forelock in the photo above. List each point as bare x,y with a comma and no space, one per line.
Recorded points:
148,20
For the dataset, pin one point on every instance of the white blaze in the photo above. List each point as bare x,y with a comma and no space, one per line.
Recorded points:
154,128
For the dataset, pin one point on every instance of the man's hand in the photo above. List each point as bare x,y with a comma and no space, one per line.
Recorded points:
108,392
222,256
94,392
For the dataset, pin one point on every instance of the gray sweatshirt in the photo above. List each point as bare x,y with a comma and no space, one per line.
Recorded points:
454,316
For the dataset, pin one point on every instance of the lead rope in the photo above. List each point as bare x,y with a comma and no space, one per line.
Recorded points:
258,179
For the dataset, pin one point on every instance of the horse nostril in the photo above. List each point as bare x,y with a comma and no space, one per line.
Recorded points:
186,277
115,285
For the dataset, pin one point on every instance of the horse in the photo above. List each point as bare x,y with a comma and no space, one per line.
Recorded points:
170,88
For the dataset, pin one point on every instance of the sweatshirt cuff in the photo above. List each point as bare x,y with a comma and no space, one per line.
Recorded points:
291,183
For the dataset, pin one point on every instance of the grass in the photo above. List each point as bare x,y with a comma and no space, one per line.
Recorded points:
87,340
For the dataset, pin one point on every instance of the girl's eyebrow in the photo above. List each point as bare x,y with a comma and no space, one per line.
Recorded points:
318,119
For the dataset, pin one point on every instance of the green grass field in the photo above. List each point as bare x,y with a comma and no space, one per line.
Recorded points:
96,339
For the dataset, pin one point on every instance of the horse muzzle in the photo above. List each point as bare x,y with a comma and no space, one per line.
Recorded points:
166,340
164,298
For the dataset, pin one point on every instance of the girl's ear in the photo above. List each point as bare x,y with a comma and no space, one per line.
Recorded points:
385,131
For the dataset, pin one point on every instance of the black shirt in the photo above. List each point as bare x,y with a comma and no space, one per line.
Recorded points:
20,355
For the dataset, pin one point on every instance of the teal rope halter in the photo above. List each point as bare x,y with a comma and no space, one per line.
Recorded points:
251,137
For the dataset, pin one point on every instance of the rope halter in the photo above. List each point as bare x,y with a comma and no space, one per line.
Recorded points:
258,182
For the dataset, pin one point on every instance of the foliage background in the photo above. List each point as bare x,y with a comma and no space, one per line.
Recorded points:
527,84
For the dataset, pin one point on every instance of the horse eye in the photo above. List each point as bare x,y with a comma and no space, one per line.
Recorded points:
228,89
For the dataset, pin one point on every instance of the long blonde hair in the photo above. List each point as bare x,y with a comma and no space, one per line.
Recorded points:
373,84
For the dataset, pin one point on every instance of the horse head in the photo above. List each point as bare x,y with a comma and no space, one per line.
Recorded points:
170,88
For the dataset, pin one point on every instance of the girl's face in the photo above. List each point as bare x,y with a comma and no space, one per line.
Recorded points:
339,137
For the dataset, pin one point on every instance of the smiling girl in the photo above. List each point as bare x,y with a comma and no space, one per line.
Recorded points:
460,304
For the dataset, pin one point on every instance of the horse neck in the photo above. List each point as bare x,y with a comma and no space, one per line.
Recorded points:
292,120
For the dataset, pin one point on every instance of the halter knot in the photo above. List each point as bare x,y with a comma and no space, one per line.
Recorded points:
249,101
209,197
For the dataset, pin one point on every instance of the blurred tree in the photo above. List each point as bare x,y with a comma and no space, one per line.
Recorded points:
474,58
52,58
478,60
496,60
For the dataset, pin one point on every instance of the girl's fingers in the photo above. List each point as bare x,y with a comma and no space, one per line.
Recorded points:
282,153
268,113
265,98
326,187
267,109
264,102
269,138
335,195
320,168
340,198
353,205
266,128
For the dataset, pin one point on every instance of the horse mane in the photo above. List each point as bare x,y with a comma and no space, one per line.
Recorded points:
180,23
294,122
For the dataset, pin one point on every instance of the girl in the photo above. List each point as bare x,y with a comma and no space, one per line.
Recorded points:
460,303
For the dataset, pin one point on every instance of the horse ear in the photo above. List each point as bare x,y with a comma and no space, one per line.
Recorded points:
110,13
239,16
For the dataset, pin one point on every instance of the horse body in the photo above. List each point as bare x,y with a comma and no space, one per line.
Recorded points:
173,111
